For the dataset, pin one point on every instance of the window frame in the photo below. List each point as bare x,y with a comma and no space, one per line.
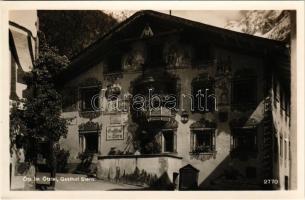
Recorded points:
83,140
286,151
275,92
81,100
249,79
282,101
203,84
174,132
281,146
193,140
237,132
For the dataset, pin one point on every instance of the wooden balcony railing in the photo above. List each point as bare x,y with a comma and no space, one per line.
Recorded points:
159,114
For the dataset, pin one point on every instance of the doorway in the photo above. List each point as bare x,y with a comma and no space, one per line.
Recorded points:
91,142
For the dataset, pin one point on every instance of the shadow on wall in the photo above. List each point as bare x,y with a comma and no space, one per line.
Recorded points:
163,183
228,177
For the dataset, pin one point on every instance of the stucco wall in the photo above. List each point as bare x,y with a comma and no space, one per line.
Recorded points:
71,143
282,130
209,168
293,98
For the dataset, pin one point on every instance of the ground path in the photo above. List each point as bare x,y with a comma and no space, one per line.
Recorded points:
81,182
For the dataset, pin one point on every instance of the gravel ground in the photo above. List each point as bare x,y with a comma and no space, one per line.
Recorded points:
81,182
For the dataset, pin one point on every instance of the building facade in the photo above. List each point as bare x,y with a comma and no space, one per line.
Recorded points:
163,95
23,48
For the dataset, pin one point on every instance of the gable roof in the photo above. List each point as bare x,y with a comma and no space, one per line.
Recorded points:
189,167
93,54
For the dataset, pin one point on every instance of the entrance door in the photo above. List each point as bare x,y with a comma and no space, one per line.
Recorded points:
91,142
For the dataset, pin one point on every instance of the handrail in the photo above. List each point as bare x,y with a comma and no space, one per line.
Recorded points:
139,156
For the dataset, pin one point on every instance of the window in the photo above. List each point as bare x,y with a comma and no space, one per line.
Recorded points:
281,146
289,149
244,91
113,63
203,141
69,102
287,108
285,153
13,94
282,101
244,140
203,95
274,92
169,141
89,98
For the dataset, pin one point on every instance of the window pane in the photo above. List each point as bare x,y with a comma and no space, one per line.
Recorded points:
168,141
203,141
244,139
281,146
203,96
244,91
89,99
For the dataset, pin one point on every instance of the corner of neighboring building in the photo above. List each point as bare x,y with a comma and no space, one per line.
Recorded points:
293,125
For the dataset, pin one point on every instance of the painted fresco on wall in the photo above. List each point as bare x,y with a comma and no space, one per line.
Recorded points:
177,54
115,133
135,58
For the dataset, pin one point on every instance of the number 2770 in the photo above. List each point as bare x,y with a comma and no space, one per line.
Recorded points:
271,181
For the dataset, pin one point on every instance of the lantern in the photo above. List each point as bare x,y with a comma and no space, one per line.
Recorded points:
113,92
184,117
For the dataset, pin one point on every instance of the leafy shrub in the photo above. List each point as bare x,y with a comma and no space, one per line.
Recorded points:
62,157
162,183
86,161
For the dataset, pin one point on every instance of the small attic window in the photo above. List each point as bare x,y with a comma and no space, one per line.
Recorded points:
147,32
114,63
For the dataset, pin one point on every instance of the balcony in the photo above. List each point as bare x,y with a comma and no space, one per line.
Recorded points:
159,92
159,114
